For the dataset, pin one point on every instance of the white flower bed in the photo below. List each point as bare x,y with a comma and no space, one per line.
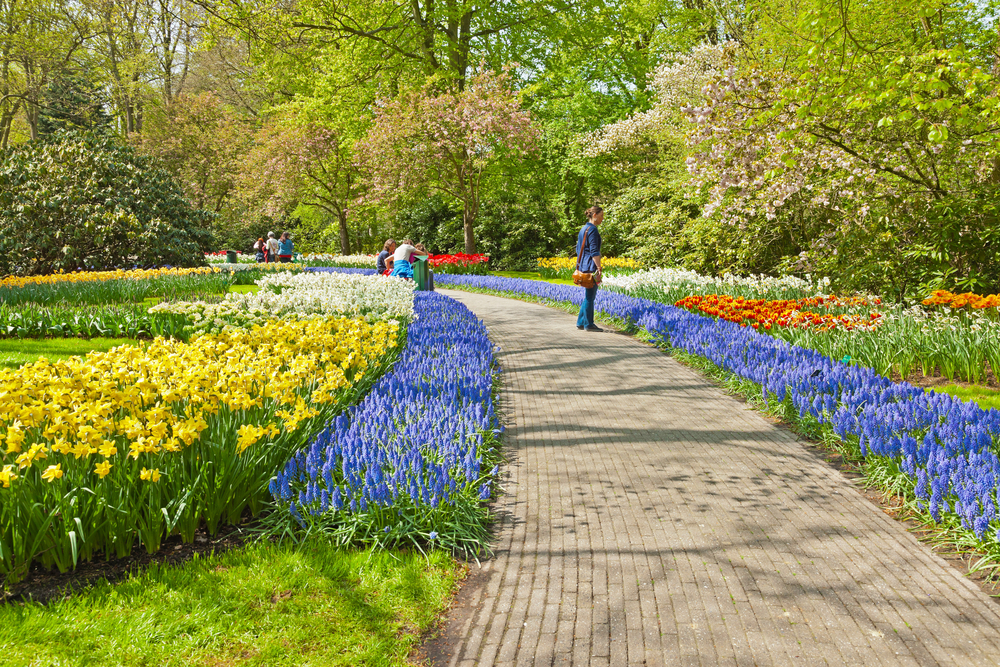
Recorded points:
347,261
240,258
285,295
673,280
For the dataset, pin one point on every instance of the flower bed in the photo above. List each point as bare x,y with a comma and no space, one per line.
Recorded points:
129,320
106,303
670,285
97,287
411,463
959,301
938,447
765,314
221,257
312,294
339,261
459,263
345,270
144,442
957,344
563,267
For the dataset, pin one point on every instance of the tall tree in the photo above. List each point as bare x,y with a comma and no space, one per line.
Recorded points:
39,40
295,163
869,124
202,142
423,142
441,39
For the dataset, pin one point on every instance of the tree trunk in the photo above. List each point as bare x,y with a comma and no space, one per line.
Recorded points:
31,115
345,239
469,218
6,122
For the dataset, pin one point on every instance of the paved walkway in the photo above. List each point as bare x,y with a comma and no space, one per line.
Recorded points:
650,519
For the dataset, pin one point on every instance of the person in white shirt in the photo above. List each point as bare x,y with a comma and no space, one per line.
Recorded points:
401,259
272,247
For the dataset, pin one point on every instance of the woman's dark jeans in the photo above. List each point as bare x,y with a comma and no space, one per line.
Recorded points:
586,318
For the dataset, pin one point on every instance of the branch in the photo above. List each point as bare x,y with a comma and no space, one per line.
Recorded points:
874,164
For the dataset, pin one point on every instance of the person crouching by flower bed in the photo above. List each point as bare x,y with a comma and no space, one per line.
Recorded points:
588,260
387,249
401,266
285,248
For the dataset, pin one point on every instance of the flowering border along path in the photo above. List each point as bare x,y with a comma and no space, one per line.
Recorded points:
942,448
415,461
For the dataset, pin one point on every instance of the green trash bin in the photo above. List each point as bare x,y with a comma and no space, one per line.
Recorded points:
232,257
422,273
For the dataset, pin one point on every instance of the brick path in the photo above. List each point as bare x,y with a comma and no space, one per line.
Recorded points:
650,519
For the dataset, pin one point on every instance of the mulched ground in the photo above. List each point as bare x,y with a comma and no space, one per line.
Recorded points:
935,379
45,586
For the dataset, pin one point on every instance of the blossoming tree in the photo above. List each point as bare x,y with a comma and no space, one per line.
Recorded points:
873,127
294,163
425,142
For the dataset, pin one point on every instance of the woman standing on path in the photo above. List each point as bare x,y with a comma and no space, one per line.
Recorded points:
588,253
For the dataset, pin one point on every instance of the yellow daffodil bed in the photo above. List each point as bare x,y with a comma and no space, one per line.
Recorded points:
144,442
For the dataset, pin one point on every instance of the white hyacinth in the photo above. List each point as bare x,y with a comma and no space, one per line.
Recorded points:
284,295
672,280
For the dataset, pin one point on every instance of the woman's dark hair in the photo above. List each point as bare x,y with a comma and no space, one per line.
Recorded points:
593,211
388,244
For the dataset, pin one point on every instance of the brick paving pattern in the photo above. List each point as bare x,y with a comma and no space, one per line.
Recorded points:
650,519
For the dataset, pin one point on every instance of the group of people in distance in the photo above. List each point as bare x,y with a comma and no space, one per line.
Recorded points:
274,250
397,260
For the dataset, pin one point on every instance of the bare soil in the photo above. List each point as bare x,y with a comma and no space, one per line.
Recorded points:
935,379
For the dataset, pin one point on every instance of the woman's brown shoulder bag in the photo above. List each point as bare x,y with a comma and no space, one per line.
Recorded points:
579,277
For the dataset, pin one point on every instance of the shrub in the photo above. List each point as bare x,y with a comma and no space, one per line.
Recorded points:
83,201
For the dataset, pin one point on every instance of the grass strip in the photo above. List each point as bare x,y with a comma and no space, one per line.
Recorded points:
986,398
528,275
15,353
262,604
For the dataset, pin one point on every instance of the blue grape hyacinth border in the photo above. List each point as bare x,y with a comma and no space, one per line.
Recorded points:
416,460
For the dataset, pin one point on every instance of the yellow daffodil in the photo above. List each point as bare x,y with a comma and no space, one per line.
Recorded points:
7,475
100,276
150,475
102,469
247,435
160,398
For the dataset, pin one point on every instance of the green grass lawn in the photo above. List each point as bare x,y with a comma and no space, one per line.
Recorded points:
259,605
986,398
14,353
528,275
